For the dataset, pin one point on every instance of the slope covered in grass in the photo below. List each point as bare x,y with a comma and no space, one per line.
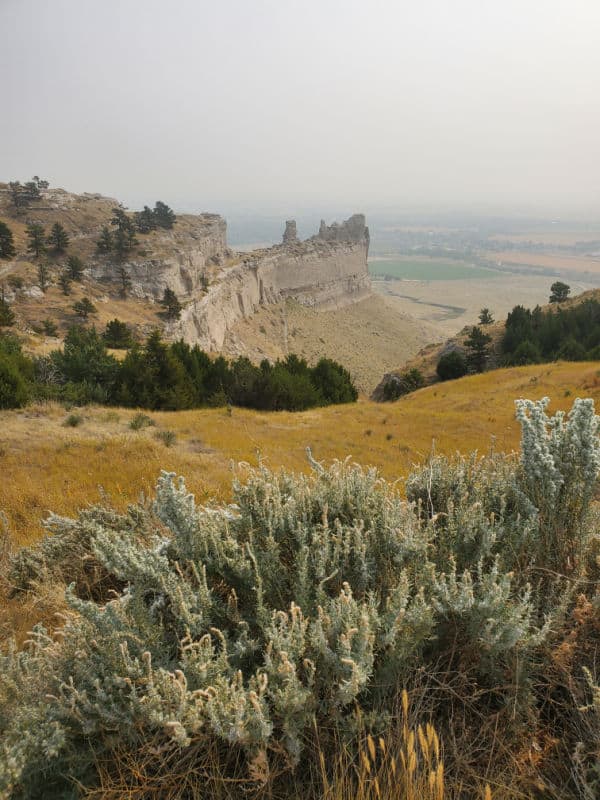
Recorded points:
47,465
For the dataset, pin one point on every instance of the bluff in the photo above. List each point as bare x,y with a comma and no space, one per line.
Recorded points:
327,271
217,287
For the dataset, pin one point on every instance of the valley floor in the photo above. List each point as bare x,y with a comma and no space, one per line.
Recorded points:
448,305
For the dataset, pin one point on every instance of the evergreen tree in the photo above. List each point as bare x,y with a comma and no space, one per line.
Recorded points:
84,359
559,292
43,275
50,328
37,239
120,219
334,382
75,268
105,242
84,307
58,238
7,244
123,242
145,220
478,346
451,365
164,216
65,282
124,280
154,378
485,317
117,335
22,195
125,238
40,183
171,304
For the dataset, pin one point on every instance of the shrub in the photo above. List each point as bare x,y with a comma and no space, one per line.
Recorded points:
50,327
168,438
398,385
139,421
238,630
13,387
73,421
452,365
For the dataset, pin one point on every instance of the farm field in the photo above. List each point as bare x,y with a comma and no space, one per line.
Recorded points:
558,262
427,269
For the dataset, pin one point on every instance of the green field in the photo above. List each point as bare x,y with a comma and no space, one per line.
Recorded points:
426,269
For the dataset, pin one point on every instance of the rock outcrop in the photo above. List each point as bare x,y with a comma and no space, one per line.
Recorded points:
328,271
290,235
181,258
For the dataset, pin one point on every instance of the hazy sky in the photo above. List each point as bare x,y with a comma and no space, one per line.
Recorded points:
278,104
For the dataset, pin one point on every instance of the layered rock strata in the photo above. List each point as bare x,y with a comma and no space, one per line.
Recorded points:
327,271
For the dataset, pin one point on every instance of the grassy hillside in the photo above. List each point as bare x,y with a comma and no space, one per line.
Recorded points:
49,466
427,359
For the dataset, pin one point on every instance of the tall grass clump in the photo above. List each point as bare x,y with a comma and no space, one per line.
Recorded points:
268,645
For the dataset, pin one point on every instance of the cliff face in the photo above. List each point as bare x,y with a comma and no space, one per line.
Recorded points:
327,271
180,258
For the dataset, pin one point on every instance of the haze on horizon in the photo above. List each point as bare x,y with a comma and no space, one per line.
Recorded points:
279,104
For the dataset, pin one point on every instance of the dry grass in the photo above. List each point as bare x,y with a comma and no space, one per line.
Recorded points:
368,338
406,764
47,466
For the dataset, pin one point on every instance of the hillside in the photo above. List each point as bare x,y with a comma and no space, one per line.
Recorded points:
427,358
310,297
49,466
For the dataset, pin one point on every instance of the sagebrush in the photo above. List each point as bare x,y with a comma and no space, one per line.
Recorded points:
296,615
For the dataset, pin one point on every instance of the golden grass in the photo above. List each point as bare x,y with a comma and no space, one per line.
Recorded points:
46,466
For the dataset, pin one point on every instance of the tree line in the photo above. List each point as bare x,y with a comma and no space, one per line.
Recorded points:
535,336
162,376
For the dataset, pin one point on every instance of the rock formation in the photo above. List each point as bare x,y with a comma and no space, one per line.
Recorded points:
290,235
216,287
328,270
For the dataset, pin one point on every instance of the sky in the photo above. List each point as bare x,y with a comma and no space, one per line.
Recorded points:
270,105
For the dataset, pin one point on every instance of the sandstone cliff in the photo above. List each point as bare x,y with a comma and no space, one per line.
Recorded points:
217,287
327,271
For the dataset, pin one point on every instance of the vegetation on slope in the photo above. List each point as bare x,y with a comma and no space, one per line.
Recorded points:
245,641
162,376
565,329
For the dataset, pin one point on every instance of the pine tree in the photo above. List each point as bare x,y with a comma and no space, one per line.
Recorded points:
7,245
75,268
163,215
37,239
58,238
171,304
124,280
124,238
43,275
559,292
84,307
22,195
145,220
117,334
478,346
65,282
485,317
105,242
